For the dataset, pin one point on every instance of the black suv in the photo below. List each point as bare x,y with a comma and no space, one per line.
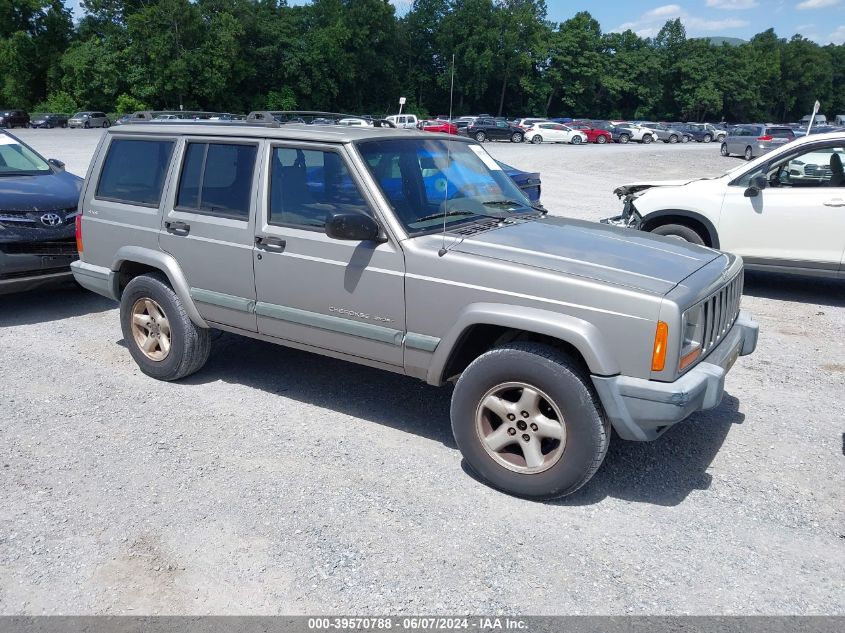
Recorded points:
38,208
490,129
49,120
13,118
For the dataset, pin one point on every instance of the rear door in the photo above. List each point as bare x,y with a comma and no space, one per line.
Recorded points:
208,226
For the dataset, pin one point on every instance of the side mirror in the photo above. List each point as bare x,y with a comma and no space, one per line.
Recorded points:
758,183
353,226
55,162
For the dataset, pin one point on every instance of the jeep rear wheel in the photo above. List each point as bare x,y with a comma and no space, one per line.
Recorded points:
161,338
528,422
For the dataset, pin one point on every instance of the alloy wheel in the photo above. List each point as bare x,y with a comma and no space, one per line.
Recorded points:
520,428
151,329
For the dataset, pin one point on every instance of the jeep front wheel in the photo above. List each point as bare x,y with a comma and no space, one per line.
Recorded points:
161,338
528,422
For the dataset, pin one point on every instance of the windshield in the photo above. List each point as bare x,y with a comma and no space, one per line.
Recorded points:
17,159
426,181
80,115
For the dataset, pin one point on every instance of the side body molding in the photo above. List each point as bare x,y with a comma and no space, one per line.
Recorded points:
166,264
582,335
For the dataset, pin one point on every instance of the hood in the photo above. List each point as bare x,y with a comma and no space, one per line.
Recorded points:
40,193
636,187
608,254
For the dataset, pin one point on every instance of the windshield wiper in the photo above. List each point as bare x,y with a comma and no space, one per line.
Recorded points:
511,203
435,216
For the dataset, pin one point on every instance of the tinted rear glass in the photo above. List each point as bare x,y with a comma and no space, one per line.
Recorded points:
217,179
780,132
134,171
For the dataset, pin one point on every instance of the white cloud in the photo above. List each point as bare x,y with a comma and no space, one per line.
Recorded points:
732,5
650,22
815,4
838,36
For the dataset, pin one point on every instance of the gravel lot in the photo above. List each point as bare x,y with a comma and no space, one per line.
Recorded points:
275,481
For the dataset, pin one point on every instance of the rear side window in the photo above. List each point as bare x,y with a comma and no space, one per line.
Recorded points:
134,171
217,179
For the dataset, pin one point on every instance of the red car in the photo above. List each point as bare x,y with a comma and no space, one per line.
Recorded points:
594,135
436,125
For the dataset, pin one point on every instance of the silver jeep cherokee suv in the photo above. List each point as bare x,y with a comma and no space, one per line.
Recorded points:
414,253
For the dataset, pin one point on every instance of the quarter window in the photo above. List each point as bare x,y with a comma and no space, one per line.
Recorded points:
306,186
217,179
134,170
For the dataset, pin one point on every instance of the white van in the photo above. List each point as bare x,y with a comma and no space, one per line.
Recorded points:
839,119
403,120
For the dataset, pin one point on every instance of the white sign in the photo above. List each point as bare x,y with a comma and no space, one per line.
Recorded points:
402,100
816,108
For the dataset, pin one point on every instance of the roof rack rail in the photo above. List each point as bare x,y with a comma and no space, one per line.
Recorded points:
195,118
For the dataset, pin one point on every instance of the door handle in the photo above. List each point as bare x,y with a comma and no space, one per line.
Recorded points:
836,202
178,228
270,243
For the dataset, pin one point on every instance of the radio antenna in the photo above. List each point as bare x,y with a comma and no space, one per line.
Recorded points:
442,250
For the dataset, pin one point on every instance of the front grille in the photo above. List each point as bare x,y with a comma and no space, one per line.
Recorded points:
822,172
39,248
720,312
32,219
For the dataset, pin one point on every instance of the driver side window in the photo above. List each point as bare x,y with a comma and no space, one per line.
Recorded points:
816,167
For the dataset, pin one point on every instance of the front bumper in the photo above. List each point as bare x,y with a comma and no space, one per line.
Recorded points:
20,272
643,409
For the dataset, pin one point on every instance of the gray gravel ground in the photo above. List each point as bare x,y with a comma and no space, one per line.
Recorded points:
275,481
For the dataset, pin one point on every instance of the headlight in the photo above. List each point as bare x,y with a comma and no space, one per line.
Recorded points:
693,336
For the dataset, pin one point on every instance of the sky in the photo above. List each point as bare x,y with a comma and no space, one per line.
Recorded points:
820,20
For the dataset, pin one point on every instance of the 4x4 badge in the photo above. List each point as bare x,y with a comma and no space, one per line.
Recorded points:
51,219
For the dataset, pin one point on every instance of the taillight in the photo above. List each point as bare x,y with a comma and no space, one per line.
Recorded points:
765,138
79,233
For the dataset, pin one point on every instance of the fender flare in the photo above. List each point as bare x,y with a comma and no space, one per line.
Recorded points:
582,335
166,264
692,215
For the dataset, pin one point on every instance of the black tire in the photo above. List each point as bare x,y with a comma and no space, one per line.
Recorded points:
749,153
480,137
686,138
673,138
105,124
647,138
516,137
601,139
49,126
576,140
724,150
87,125
565,382
190,345
720,138
624,138
679,231
707,138
536,139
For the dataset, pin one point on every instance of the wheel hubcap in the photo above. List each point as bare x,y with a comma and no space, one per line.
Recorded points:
520,427
151,329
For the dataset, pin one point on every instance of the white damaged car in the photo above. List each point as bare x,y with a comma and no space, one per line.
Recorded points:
776,216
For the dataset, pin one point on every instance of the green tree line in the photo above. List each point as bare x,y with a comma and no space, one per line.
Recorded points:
361,55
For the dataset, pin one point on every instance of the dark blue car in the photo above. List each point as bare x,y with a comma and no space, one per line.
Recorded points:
38,208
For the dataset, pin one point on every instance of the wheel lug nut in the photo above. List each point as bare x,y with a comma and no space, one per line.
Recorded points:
511,431
533,427
526,437
521,425
511,417
525,414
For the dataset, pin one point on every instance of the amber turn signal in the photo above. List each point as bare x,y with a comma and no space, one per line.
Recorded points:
690,357
661,340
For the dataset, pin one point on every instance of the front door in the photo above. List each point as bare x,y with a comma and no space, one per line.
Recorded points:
209,227
338,295
799,219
